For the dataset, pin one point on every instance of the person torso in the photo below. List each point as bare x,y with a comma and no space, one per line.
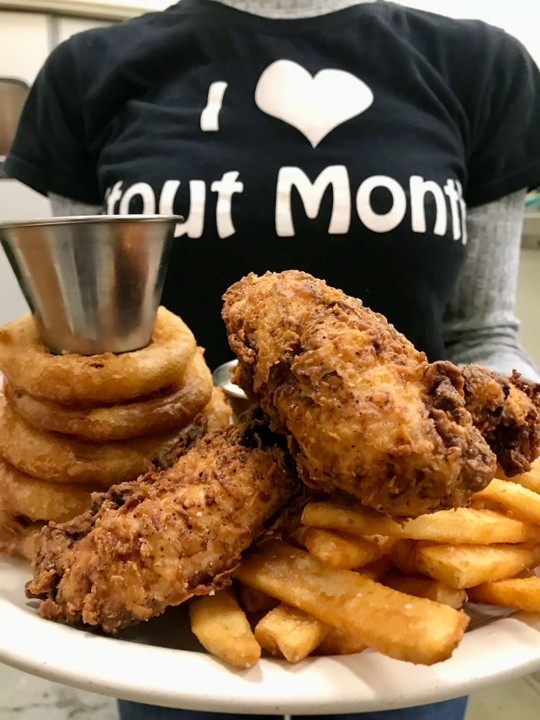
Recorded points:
330,145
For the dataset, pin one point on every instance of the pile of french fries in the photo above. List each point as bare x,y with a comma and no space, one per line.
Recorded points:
351,578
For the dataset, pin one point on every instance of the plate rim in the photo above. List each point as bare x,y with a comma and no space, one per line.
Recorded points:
323,685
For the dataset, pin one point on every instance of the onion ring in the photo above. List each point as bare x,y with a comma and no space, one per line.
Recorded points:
106,378
17,534
58,458
34,499
175,409
16,537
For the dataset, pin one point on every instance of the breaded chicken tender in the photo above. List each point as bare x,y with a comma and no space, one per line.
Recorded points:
155,542
363,411
507,413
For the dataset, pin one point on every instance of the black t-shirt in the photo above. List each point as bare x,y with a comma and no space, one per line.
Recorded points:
347,145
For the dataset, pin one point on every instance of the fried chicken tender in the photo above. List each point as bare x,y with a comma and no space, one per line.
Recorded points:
507,413
363,411
155,542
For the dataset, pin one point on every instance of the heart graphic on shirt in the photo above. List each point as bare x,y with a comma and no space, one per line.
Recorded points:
315,105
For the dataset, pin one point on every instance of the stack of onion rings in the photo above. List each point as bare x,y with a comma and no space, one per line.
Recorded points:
218,412
170,409
25,497
107,378
59,459
17,536
71,425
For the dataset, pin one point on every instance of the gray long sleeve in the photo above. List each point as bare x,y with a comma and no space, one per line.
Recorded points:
63,207
480,324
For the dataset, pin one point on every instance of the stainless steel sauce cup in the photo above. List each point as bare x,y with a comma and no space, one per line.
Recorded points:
93,283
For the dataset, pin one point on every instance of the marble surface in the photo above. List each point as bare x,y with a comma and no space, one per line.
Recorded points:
23,697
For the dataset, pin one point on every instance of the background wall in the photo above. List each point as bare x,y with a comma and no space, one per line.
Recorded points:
110,9
147,4
518,17
528,302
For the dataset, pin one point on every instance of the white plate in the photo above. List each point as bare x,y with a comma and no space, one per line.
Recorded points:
149,666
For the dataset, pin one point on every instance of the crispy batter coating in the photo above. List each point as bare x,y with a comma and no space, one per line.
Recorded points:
507,413
157,541
362,409
26,503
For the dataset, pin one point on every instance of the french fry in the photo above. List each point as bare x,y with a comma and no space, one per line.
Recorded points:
401,626
376,570
530,572
337,642
464,566
404,556
254,602
383,542
513,496
521,594
221,626
290,633
370,581
478,503
340,550
462,525
426,587
529,480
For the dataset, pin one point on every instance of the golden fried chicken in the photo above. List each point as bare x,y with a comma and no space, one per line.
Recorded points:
507,413
363,411
157,541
